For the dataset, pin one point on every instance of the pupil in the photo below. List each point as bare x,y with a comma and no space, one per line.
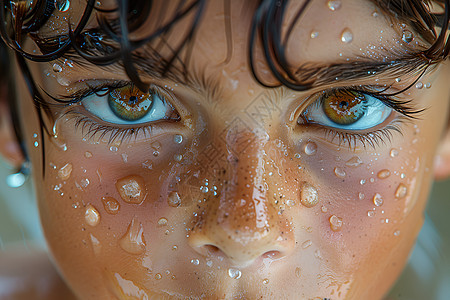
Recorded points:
132,100
343,105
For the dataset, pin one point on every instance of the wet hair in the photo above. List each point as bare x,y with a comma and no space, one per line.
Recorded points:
110,42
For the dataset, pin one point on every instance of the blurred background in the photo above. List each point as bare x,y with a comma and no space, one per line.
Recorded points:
427,275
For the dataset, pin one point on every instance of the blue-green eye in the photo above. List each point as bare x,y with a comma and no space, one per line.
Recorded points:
348,110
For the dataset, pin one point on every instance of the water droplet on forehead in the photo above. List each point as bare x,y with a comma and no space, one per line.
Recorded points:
346,36
132,189
407,36
92,216
111,205
309,196
234,273
62,5
334,5
398,79
335,223
377,200
310,148
133,241
56,68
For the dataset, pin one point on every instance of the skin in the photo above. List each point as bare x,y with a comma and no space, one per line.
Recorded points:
251,219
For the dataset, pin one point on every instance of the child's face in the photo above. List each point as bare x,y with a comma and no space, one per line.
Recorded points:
237,189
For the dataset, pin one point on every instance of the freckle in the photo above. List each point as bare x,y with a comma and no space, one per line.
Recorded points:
354,162
111,205
377,200
393,152
132,189
162,222
65,171
92,216
309,196
383,174
401,191
310,148
335,223
133,241
88,154
407,36
340,173
173,199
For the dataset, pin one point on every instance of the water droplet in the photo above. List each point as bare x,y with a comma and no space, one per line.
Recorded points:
309,196
196,262
88,154
155,153
173,199
310,148
111,205
84,182
124,157
178,157
178,139
36,144
314,34
407,36
354,162
132,189
298,272
234,273
383,174
335,223
57,68
158,276
156,145
393,152
96,246
92,216
297,155
377,200
398,79
324,209
133,241
362,181
65,171
306,244
427,85
148,164
419,85
162,222
113,149
334,5
290,202
266,281
346,36
340,173
371,213
397,232
401,191
361,196
62,5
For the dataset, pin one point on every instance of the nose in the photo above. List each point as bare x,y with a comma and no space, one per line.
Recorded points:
242,223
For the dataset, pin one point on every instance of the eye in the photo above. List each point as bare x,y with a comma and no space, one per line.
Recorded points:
129,106
346,109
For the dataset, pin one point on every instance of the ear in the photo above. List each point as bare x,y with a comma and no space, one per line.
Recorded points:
442,162
9,146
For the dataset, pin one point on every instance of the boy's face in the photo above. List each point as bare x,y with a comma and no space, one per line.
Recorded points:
229,189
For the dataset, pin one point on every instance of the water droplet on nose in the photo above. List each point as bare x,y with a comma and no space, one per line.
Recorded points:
162,222
132,189
334,5
234,273
340,173
407,36
354,162
111,205
266,281
393,153
65,171
62,5
92,216
401,191
377,200
314,34
335,223
306,244
298,272
57,68
178,139
346,36
383,174
309,196
173,199
310,148
133,241
419,85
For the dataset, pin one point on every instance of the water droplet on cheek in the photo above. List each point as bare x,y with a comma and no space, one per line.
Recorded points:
309,196
111,205
132,189
173,199
65,172
310,148
383,174
133,241
346,36
335,223
401,191
340,173
92,216
377,200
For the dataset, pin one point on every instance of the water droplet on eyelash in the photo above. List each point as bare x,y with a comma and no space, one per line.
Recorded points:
371,213
334,5
306,244
88,154
309,196
92,216
65,171
354,162
111,205
162,222
234,273
383,174
132,189
419,85
298,272
133,241
340,173
393,153
377,200
335,223
96,246
178,139
173,199
113,149
407,36
314,34
346,36
62,5
57,68
310,148
401,191
196,262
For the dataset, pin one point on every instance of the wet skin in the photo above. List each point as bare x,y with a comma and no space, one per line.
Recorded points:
230,209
